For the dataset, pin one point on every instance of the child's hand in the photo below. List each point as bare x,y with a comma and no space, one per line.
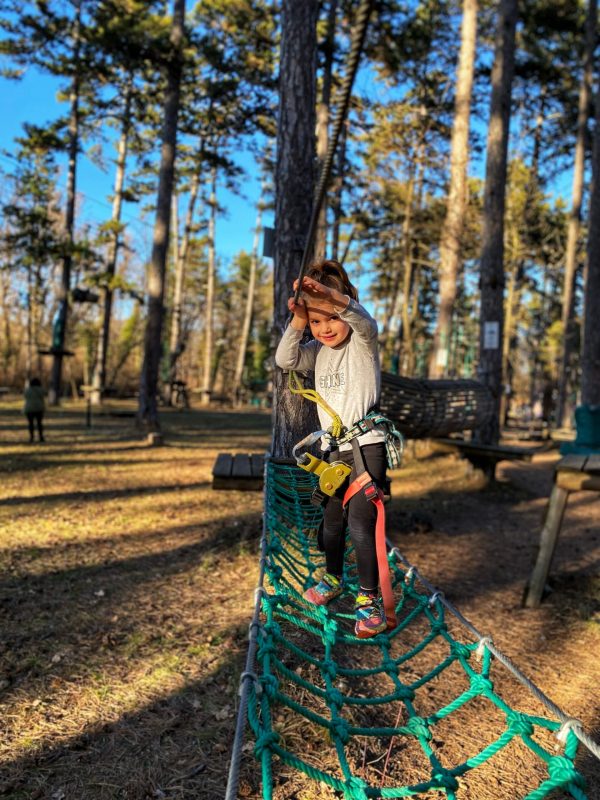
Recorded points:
315,289
298,309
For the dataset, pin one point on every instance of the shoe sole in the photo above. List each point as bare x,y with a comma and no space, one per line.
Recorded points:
369,634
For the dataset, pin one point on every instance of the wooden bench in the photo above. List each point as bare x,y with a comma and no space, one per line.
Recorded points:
486,456
240,471
573,473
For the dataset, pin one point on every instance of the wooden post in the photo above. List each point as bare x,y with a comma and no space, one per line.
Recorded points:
548,539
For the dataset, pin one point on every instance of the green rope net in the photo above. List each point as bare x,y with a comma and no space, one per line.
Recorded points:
392,716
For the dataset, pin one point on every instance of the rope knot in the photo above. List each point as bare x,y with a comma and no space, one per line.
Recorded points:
460,650
329,668
444,780
330,628
335,698
519,723
340,729
355,789
480,684
264,742
562,771
405,693
270,684
418,727
438,626
266,648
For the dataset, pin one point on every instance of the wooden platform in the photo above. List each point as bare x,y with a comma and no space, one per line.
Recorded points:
487,452
573,473
240,471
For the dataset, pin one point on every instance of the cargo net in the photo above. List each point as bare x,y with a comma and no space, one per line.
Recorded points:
410,712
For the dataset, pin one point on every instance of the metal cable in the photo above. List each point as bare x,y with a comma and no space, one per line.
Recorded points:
567,721
248,674
341,110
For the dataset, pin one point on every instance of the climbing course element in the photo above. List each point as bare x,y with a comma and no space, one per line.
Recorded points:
392,716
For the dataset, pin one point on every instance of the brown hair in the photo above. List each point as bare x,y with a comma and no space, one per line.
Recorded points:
332,274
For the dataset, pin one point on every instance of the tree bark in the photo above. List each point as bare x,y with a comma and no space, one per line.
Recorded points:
207,379
60,323
492,256
247,322
294,188
176,343
148,406
452,231
590,359
564,408
99,377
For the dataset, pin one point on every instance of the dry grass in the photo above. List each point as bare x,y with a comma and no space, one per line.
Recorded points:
126,591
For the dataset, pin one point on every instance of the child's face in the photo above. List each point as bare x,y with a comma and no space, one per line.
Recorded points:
325,323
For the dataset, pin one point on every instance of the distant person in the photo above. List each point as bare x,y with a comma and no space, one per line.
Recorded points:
34,408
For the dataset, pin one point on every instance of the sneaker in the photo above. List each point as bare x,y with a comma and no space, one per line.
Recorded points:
326,589
370,617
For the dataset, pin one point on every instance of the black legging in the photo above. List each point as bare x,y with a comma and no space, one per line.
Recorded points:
36,416
362,515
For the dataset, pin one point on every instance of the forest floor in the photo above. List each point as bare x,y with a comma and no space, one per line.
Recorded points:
126,590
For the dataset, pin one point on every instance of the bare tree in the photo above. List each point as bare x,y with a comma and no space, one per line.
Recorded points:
207,373
294,188
568,310
590,366
60,322
148,406
492,255
452,231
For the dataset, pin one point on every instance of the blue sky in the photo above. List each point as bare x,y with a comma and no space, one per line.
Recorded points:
33,100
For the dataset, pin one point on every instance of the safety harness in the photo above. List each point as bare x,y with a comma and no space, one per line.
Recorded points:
333,474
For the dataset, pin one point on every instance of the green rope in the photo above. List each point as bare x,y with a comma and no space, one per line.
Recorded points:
307,675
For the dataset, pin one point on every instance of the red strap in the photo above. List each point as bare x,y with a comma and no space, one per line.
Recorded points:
375,495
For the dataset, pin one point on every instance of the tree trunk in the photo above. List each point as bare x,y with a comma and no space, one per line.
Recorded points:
176,345
590,359
294,189
99,378
452,231
492,255
568,305
59,327
148,407
207,380
246,324
323,114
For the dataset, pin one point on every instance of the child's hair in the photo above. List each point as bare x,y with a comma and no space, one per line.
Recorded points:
35,382
331,273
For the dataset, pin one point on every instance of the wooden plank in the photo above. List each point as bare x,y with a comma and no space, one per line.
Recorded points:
498,452
548,539
593,463
223,466
258,465
573,462
577,481
241,484
242,466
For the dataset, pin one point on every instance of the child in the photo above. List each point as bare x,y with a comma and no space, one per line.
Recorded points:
345,360
34,408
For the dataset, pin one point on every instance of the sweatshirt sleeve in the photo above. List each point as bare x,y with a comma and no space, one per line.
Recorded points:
361,322
291,354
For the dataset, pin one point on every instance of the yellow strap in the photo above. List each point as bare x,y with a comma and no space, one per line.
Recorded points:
295,386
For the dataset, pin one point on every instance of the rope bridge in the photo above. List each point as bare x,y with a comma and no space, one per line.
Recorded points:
387,717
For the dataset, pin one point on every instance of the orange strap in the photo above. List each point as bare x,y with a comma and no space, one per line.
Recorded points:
365,483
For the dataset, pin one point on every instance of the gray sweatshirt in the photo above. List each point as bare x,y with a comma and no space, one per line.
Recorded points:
347,377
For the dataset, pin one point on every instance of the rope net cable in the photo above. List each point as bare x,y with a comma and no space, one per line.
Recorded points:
398,715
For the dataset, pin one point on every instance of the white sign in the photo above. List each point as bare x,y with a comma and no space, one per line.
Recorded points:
491,335
442,357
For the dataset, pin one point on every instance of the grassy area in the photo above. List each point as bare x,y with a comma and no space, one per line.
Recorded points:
127,587
126,593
